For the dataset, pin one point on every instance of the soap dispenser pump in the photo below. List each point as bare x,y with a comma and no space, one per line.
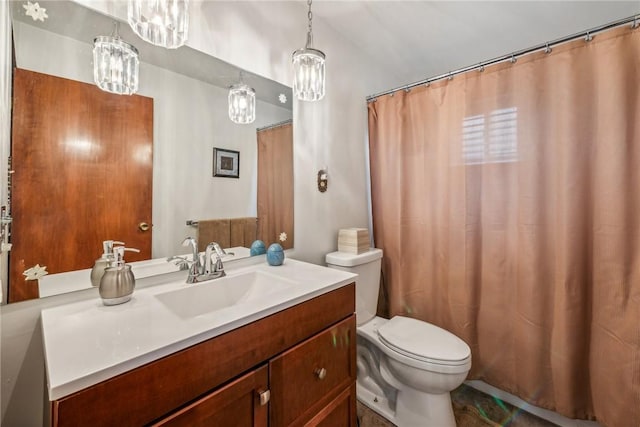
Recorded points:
103,262
118,281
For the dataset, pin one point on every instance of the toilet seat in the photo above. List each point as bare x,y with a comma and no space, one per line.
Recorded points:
435,345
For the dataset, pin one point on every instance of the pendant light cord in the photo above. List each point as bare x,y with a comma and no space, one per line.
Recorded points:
115,34
310,31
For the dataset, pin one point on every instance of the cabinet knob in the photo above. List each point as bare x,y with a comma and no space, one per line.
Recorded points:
265,396
321,373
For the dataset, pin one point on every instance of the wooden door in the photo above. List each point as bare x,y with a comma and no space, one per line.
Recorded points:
83,162
237,404
275,184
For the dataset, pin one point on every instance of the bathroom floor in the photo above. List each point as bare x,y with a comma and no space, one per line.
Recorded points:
472,408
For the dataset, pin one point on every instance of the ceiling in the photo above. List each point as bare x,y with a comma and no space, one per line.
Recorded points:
415,40
409,40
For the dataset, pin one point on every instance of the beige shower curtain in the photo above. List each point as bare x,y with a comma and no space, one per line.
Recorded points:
507,203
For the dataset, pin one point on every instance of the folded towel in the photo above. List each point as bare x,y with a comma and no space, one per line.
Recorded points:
213,230
228,233
243,231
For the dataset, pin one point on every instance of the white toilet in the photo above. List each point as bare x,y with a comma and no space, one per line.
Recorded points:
406,367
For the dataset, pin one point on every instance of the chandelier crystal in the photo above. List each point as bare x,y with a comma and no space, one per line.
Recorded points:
115,64
242,104
164,23
308,69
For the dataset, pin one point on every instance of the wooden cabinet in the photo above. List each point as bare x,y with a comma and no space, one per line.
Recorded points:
242,403
309,376
295,367
341,411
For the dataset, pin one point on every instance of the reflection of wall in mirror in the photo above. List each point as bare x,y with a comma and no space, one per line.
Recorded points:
190,117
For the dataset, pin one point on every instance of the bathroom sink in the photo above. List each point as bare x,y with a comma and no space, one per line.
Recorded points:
206,297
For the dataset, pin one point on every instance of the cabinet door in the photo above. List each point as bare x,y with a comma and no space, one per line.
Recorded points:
307,378
243,402
340,412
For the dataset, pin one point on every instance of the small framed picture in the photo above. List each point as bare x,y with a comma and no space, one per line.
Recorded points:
226,163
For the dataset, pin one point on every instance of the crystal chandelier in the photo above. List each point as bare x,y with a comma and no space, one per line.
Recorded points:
242,103
115,64
164,23
308,69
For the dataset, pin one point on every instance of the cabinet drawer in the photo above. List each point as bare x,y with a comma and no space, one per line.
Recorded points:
309,376
237,404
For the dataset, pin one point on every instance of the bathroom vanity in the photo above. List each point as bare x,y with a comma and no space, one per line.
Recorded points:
280,356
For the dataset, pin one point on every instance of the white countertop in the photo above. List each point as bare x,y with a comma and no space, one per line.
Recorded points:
86,342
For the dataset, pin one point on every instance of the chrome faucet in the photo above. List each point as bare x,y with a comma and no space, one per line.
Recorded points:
181,262
211,247
199,272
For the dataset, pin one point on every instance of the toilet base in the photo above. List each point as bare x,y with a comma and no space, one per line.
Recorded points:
376,403
416,409
434,409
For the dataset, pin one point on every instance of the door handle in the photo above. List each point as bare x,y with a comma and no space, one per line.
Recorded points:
264,396
143,226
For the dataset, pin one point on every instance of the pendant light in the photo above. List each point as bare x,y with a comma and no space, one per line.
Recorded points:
308,69
164,23
115,64
242,103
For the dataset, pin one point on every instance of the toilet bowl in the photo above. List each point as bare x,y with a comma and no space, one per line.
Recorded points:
406,367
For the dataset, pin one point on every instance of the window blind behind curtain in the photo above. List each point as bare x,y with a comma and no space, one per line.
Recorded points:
506,202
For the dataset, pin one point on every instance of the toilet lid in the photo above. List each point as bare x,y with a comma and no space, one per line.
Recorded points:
423,341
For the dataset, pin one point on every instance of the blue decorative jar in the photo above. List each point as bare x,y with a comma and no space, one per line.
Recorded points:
257,248
275,254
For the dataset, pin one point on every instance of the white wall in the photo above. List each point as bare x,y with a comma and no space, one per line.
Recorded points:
260,37
190,118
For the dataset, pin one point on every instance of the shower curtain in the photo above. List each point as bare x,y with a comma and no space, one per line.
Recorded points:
507,203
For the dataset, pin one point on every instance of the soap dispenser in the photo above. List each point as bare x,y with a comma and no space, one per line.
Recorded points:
118,281
103,262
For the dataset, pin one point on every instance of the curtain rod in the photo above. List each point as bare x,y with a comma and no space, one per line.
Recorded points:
587,35
275,125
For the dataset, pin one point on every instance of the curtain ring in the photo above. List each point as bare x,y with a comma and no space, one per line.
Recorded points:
635,23
407,89
427,84
480,67
547,49
588,37
513,59
450,77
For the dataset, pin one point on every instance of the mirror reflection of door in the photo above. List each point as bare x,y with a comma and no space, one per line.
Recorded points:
83,163
275,184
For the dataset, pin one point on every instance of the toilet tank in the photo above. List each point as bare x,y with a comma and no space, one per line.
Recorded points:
367,266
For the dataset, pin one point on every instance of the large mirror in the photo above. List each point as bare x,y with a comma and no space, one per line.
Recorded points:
190,121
